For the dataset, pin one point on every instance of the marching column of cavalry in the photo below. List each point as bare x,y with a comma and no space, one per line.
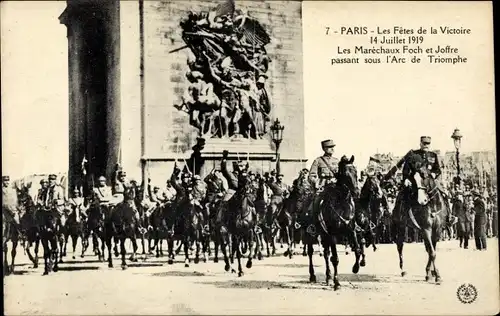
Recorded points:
245,214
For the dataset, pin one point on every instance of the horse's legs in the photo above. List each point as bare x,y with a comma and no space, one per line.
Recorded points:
357,252
197,245
55,252
109,242
123,252
289,236
250,248
335,263
156,245
95,245
186,243
362,253
115,247
133,240
310,252
74,240
326,254
216,246
434,240
37,247
400,239
46,255
428,248
5,260
236,245
13,252
62,247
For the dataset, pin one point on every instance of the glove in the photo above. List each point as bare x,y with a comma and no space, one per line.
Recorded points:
224,154
407,183
433,175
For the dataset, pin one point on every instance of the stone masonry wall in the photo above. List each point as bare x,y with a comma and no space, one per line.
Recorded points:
165,73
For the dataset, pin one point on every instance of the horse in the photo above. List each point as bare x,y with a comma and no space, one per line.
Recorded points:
368,214
52,221
241,222
428,213
75,225
98,225
11,229
335,218
159,226
192,220
30,222
123,224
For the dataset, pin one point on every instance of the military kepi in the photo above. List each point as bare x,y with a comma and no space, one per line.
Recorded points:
425,139
327,143
52,177
5,178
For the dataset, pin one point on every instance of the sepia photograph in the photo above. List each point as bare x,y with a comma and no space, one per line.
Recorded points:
166,157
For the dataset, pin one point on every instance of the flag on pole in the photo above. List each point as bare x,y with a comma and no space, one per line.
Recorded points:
84,168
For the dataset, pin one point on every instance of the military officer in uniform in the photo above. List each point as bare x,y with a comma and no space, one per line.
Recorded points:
409,163
120,186
326,167
10,201
464,221
102,193
39,199
326,164
280,192
54,197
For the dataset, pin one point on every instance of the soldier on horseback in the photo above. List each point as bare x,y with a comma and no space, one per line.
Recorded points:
280,193
411,162
10,201
327,167
39,199
103,193
54,195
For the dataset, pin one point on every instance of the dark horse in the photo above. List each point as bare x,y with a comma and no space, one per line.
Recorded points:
429,212
53,220
241,222
11,230
369,212
30,222
335,219
123,224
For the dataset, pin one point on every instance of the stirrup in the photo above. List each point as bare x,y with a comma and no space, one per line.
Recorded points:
297,225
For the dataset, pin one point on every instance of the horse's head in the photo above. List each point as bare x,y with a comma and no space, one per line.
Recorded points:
372,188
25,200
424,183
129,192
348,175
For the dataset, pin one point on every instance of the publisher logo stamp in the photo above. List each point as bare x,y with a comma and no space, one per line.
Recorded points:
467,293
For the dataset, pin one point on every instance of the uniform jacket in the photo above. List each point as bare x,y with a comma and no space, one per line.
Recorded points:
232,179
9,198
103,194
413,159
325,164
54,196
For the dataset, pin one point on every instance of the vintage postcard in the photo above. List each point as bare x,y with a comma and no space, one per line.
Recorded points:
248,157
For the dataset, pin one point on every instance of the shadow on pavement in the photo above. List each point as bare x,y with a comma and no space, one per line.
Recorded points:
73,268
74,261
180,274
287,265
250,284
145,264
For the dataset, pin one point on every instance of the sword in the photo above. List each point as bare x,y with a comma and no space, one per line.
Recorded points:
178,49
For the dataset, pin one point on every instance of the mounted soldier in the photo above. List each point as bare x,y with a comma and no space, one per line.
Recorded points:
412,162
103,194
215,186
326,167
10,201
280,192
120,185
39,199
54,195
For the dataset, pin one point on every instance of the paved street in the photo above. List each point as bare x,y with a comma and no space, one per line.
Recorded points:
273,285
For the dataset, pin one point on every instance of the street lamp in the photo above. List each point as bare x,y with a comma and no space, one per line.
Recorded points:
277,137
457,141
